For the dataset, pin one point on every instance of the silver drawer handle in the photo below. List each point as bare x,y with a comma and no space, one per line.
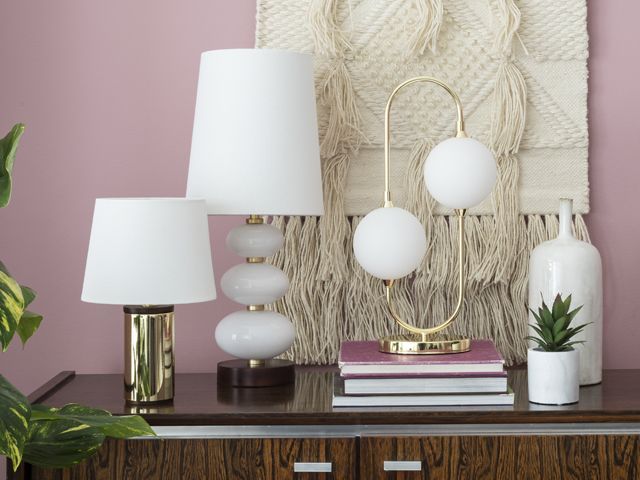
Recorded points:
394,466
323,467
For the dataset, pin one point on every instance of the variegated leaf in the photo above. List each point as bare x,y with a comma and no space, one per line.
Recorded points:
28,324
125,426
8,146
61,443
11,308
15,413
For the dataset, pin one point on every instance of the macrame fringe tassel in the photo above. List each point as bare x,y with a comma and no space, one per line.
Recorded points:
342,137
509,109
343,128
326,312
428,23
507,128
328,36
509,20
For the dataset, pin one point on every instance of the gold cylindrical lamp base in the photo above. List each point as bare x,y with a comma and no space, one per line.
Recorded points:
148,353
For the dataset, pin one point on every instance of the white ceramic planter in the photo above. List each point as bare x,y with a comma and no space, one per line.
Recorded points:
553,376
569,266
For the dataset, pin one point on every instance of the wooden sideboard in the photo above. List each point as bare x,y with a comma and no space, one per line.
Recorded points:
294,433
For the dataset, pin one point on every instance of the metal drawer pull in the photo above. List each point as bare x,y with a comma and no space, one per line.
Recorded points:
394,466
324,467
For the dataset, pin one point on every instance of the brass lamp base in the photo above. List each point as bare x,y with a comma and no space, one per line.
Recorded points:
417,345
148,353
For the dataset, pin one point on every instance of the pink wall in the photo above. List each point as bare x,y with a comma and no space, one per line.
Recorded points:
107,92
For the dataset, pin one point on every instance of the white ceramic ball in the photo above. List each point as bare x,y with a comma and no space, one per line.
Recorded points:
255,335
254,283
261,240
460,172
389,243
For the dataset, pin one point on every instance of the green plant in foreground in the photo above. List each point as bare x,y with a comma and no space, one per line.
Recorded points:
37,434
553,326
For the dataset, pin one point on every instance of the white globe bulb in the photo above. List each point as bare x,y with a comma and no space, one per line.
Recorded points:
255,335
254,283
389,243
260,240
460,172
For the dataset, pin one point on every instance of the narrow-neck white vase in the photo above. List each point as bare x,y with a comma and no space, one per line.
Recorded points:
567,265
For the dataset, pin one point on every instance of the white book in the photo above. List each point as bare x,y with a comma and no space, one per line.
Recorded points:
340,399
422,385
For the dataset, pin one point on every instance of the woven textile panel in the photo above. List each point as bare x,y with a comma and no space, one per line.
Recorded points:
520,69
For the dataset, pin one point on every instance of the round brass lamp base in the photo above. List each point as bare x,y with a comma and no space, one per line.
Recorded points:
416,345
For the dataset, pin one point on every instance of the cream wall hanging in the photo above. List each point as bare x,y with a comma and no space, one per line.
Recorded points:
521,71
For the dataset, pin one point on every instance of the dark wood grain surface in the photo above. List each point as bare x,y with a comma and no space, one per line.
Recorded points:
198,401
581,457
229,459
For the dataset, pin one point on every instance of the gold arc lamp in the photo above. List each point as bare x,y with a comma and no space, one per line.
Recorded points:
255,153
390,242
149,254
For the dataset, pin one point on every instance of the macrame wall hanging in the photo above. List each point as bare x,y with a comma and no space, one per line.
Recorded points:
521,71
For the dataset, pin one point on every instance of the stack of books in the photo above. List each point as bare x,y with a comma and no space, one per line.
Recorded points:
369,377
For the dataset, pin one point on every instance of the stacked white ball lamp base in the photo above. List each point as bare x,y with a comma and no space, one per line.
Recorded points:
255,335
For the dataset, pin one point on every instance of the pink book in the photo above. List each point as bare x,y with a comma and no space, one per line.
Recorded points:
364,358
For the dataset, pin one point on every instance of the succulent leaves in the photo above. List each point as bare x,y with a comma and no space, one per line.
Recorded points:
553,325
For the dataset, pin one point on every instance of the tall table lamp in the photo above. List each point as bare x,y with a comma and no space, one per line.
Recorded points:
255,152
149,254
389,242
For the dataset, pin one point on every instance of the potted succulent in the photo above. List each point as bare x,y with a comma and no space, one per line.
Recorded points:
37,434
553,366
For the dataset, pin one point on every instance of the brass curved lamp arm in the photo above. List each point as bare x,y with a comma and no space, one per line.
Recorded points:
460,213
387,126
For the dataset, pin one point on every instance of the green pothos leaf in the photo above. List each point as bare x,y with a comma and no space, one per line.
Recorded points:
28,294
8,146
15,413
125,426
28,324
61,437
11,308
61,443
14,299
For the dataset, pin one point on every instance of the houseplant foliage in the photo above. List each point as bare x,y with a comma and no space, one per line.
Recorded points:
553,367
37,434
553,326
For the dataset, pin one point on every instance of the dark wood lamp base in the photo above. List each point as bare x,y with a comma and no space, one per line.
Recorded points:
238,373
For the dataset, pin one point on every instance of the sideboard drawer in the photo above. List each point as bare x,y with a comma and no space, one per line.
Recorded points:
216,459
501,457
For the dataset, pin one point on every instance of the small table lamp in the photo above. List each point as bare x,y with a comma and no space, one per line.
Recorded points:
255,152
389,242
149,254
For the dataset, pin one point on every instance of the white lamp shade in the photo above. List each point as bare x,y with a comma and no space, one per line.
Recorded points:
151,251
460,172
255,137
389,243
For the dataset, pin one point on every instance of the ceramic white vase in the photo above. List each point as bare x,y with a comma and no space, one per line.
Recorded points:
553,376
567,265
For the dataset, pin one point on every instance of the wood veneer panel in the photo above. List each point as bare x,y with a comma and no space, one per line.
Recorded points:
562,457
225,459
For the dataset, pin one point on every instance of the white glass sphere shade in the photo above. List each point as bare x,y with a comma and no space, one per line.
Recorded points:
261,240
254,283
255,335
460,172
389,243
